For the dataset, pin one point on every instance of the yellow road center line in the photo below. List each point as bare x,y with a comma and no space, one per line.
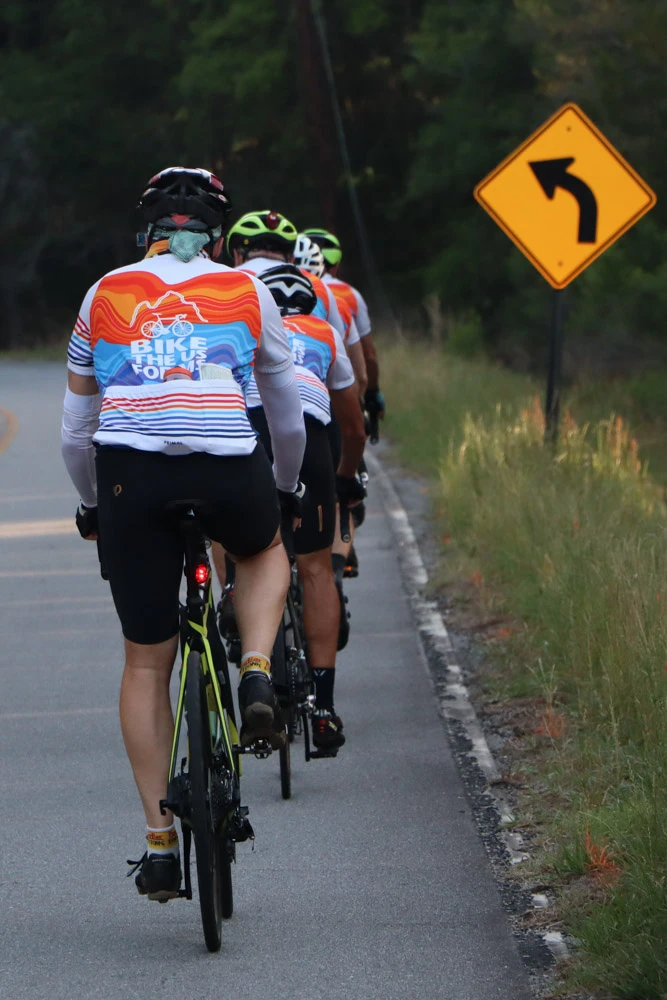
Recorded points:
12,422
21,574
39,602
61,712
36,529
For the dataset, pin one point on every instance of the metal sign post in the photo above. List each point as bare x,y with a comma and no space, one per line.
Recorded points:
552,404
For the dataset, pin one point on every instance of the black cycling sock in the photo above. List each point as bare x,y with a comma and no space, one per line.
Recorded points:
324,687
338,563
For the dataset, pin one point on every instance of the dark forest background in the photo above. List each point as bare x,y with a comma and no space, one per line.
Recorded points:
95,97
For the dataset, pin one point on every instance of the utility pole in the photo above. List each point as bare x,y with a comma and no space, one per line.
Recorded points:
320,124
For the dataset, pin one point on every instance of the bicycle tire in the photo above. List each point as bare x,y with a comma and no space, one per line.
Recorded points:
226,888
285,771
279,665
213,864
279,675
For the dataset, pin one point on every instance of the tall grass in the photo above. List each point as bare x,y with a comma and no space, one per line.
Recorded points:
574,541
430,393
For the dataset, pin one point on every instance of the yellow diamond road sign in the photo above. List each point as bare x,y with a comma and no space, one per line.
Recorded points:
565,195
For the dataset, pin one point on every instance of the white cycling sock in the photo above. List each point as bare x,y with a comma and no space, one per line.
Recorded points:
255,660
162,840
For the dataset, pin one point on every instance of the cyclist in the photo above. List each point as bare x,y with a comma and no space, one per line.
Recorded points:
158,361
326,382
308,256
276,237
344,292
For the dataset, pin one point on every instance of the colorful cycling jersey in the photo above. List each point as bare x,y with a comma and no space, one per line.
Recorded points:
327,307
319,355
209,322
354,300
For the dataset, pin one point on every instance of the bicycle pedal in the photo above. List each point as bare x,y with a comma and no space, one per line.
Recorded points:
321,754
261,749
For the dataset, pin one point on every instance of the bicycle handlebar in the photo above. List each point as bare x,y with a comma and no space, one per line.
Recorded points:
345,523
374,427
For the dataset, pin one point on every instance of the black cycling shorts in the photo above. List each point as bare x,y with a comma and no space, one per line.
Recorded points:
140,540
318,523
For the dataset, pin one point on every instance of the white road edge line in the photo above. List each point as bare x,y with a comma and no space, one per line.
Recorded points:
453,696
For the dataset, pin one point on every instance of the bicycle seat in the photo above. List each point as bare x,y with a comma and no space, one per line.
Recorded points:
185,507
190,515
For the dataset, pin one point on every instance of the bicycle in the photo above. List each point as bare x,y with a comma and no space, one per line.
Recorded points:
204,788
292,676
290,671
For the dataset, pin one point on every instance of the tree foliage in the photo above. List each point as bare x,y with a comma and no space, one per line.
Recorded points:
95,98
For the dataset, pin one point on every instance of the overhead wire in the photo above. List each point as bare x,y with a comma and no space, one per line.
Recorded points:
367,258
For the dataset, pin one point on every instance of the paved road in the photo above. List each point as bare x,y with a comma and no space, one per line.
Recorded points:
371,883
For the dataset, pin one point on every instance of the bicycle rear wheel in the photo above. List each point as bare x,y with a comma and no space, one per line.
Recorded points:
285,771
280,677
213,862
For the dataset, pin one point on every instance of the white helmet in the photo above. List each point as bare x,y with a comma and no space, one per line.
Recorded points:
308,255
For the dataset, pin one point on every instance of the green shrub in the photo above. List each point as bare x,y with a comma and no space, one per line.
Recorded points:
465,336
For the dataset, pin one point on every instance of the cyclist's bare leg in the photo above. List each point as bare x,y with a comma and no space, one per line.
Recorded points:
259,596
218,556
147,721
321,607
145,708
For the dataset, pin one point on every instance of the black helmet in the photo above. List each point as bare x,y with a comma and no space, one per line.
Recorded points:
292,291
185,198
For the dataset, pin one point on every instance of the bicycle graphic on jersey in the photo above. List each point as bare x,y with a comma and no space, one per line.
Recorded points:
176,326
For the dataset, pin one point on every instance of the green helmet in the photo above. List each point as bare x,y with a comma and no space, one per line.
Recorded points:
266,229
328,243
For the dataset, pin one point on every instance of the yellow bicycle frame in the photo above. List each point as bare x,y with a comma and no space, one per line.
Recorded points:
207,659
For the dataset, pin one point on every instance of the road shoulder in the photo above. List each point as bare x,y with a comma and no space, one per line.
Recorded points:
454,660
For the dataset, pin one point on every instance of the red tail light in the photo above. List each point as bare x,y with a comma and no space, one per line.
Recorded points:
201,573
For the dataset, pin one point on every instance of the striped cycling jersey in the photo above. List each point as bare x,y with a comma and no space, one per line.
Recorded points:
352,300
209,322
320,363
323,309
319,356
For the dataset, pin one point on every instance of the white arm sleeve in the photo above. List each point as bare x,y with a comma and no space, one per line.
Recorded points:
279,392
340,374
274,353
80,420
282,405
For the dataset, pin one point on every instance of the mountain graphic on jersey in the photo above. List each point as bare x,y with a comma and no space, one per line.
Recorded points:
140,328
170,294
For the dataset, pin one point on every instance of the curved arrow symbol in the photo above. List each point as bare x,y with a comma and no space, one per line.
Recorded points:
553,174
